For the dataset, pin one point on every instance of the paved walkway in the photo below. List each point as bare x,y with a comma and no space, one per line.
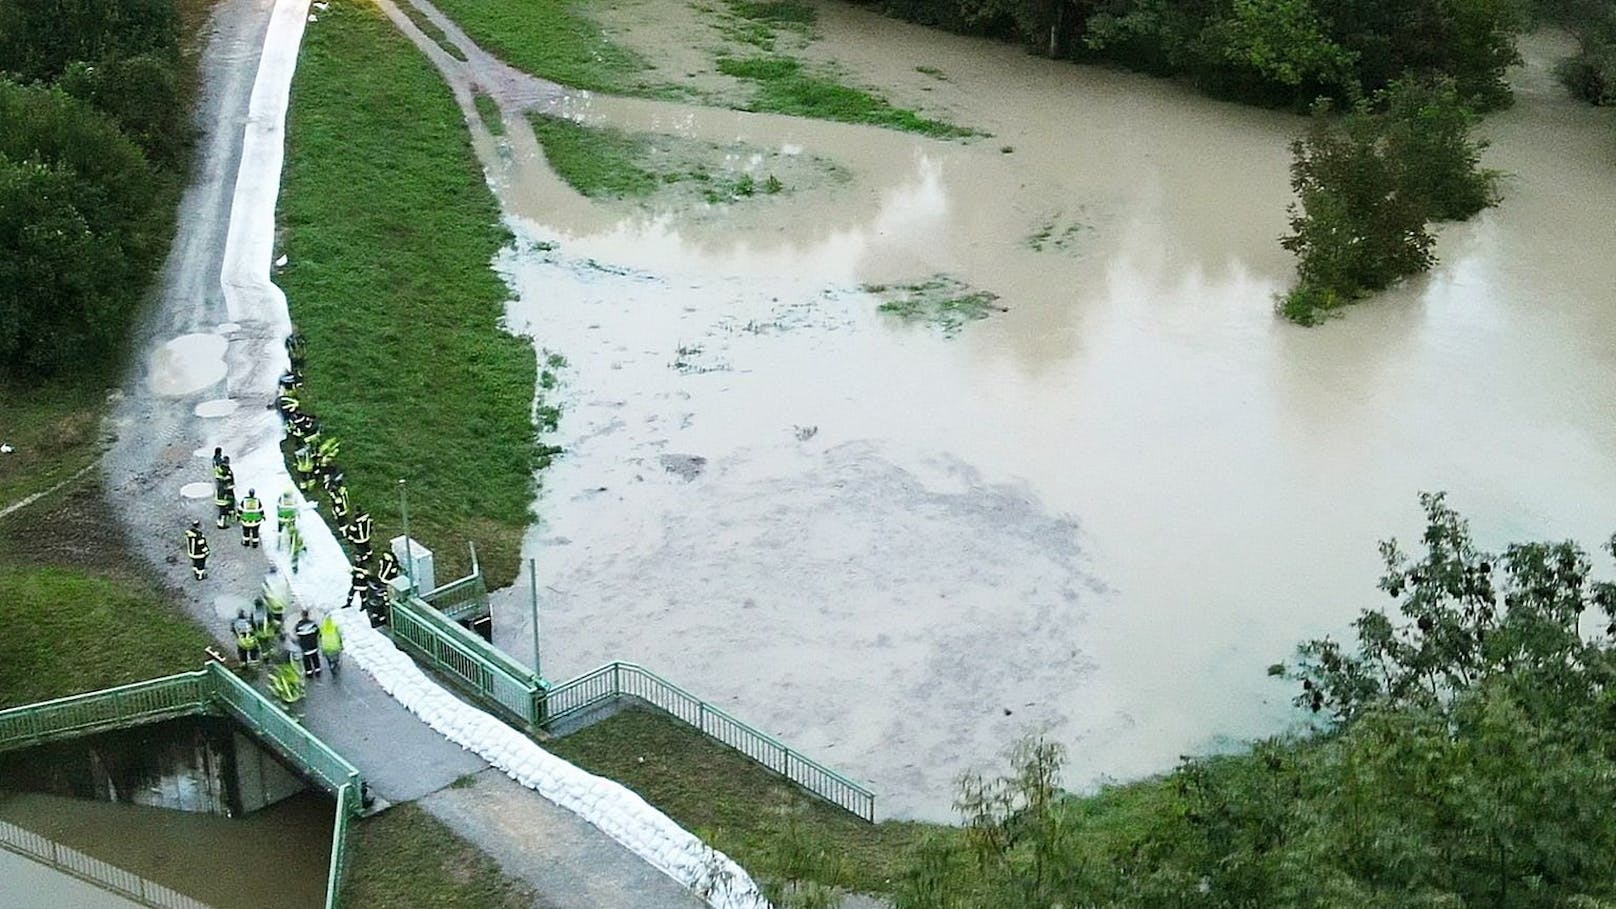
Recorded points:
162,444
562,856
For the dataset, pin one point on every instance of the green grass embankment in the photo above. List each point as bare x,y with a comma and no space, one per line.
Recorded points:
404,858
558,40
70,630
390,229
768,824
79,611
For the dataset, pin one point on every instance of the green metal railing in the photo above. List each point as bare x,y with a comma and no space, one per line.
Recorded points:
95,711
465,599
619,679
211,689
348,798
485,670
281,732
92,870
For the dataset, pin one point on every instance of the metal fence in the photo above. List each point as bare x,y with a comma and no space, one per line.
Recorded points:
348,798
484,669
92,870
212,688
280,731
465,599
619,679
95,711
462,600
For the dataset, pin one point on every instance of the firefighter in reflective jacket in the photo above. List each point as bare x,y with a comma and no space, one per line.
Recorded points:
358,536
246,638
224,491
294,350
303,463
252,516
287,404
361,580
325,457
196,548
340,509
387,567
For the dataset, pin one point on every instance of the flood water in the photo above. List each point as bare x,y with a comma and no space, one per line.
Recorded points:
1099,515
276,858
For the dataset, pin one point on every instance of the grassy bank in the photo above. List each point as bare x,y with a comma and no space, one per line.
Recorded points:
765,822
405,858
556,40
53,429
390,229
80,611
785,86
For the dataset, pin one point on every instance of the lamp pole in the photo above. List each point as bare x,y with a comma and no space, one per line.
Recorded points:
533,580
409,544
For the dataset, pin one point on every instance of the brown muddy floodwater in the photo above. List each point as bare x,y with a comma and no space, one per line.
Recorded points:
1100,514
275,858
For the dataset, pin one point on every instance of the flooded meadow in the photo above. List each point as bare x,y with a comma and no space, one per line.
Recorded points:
1099,505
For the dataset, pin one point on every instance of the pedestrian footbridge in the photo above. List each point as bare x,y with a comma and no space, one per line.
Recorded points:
212,690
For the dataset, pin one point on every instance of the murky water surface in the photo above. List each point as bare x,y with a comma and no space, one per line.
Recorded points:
272,859
1101,514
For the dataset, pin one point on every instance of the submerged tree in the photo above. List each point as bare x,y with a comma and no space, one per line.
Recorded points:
1355,228
1367,182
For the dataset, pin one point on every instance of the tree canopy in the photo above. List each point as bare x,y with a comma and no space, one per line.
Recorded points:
92,136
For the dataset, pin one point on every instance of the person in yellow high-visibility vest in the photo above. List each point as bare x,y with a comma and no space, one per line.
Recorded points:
252,517
246,638
285,516
331,643
303,463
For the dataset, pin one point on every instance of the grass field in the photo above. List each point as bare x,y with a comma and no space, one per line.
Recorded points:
54,430
600,163
784,86
79,611
553,39
768,824
404,858
390,230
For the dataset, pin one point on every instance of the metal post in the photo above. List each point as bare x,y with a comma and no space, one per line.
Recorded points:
409,543
533,580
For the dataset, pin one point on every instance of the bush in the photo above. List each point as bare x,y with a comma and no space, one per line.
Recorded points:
1368,182
81,218
1357,229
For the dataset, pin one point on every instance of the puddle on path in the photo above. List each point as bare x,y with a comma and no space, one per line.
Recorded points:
1102,513
187,364
218,407
197,490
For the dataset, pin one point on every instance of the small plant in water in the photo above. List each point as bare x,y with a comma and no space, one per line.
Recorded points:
772,185
943,301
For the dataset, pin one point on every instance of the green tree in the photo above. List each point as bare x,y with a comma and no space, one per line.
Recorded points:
1355,227
1428,132
80,230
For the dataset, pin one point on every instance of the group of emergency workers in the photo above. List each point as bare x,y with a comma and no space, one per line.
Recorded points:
261,634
